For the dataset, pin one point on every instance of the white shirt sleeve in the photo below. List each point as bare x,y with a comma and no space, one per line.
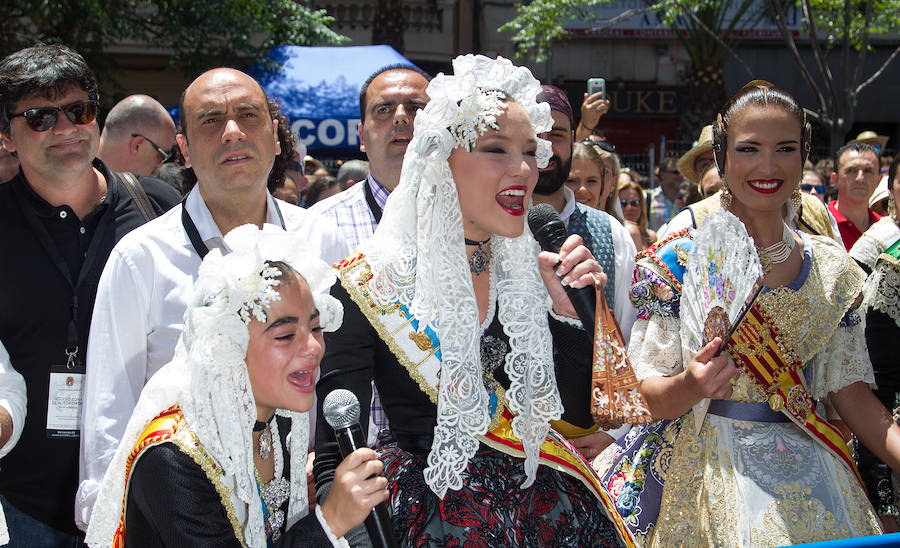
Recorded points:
625,252
116,372
13,398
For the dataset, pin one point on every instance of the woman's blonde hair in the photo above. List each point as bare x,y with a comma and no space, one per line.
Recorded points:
643,223
598,152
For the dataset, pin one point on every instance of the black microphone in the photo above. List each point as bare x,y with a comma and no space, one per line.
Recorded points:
341,410
549,230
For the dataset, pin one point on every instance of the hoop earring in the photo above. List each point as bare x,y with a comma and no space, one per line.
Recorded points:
796,199
726,197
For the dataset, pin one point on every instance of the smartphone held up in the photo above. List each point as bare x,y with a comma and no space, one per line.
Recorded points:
596,85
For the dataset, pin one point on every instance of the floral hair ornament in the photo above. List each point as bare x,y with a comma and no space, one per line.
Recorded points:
252,281
418,258
208,378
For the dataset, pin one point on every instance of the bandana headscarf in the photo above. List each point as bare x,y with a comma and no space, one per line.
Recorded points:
557,100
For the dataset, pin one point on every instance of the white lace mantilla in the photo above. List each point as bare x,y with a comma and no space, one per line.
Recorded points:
882,289
208,378
418,259
880,236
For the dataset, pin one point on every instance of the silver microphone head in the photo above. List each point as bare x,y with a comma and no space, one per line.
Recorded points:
341,408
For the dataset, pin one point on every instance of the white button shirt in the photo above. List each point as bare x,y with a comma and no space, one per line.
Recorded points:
12,398
138,317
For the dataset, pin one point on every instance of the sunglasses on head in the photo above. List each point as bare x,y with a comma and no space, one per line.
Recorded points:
602,145
44,118
807,188
165,155
632,203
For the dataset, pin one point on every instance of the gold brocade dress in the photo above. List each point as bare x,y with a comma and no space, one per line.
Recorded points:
750,477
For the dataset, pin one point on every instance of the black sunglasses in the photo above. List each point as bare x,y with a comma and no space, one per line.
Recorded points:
602,145
165,155
806,188
44,118
632,203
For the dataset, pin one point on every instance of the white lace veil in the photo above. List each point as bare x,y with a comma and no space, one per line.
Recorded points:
208,376
418,258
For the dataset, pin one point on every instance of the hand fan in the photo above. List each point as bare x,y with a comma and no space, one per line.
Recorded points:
614,387
722,274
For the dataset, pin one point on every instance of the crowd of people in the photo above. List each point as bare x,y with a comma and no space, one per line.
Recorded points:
180,300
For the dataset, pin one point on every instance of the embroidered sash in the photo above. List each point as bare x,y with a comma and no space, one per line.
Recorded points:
894,250
755,351
419,353
168,426
160,430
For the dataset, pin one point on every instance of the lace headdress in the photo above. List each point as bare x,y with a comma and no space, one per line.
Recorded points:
208,376
418,258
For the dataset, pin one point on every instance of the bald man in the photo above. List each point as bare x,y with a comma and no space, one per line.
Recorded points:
228,137
138,136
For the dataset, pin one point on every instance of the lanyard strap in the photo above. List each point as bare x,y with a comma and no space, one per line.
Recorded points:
194,234
40,231
370,200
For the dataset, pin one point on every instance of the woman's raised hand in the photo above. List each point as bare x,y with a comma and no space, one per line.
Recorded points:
576,268
357,488
708,375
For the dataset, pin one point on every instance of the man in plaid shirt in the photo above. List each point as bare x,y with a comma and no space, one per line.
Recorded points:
388,103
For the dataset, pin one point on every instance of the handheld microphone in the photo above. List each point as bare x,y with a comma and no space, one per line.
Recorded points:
341,410
550,232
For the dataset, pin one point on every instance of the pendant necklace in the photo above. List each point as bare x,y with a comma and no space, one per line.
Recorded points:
778,252
265,439
478,262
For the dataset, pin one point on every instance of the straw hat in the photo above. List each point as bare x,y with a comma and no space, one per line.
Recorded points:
881,192
686,163
872,138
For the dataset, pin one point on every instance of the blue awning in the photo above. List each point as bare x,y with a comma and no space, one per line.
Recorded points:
318,89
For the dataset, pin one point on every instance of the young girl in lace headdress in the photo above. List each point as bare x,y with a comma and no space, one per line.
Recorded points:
468,336
204,460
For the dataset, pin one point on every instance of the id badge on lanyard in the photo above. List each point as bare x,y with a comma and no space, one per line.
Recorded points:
64,402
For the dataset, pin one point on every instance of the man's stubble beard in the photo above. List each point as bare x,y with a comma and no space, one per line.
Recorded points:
551,181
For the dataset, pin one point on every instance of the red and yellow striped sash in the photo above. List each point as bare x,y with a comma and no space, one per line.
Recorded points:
160,429
755,351
557,453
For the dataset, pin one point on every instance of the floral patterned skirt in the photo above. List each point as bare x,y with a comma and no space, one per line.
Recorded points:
492,510
737,483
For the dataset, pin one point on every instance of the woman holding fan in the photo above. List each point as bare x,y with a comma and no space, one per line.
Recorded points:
742,455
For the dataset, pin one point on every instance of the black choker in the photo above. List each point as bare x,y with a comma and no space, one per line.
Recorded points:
478,262
258,426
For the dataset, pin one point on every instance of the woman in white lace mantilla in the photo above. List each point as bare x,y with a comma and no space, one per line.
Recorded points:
878,252
761,466
205,460
466,332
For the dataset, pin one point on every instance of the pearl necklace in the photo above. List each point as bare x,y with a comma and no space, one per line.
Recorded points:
778,252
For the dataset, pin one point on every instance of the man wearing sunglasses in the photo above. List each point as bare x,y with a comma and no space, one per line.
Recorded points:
230,138
60,217
138,136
